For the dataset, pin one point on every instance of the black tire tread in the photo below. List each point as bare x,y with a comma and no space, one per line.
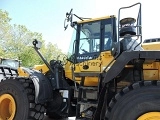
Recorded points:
125,91
36,110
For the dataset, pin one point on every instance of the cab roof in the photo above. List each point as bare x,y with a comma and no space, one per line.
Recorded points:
96,19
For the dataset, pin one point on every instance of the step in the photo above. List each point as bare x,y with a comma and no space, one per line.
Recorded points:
88,88
92,103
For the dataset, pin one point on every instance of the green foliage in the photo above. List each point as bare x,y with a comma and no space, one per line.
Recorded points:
51,51
16,43
4,25
29,57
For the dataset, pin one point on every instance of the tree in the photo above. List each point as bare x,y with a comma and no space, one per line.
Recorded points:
51,51
4,28
16,42
4,24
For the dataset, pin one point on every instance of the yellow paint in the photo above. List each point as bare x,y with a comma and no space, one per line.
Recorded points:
150,116
151,46
43,68
21,72
95,66
150,74
95,19
151,68
7,107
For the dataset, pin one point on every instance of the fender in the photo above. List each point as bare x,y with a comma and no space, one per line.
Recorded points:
124,58
43,88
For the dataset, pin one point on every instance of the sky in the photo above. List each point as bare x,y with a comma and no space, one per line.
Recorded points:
47,16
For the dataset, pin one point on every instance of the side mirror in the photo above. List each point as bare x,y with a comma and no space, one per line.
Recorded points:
68,19
37,44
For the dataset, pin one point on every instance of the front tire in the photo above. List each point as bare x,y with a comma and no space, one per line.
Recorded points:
18,97
136,102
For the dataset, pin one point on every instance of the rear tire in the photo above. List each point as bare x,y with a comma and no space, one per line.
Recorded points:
134,101
23,94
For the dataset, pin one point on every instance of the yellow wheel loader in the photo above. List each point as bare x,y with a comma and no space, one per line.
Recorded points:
109,74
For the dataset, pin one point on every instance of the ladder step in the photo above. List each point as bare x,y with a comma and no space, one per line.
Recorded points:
83,118
88,103
88,88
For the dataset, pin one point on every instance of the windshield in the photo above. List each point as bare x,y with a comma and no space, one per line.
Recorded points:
71,46
89,38
10,63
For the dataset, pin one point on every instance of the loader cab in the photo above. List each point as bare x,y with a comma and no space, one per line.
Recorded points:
91,37
14,63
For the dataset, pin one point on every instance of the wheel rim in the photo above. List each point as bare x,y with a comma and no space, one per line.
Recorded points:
7,107
150,116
